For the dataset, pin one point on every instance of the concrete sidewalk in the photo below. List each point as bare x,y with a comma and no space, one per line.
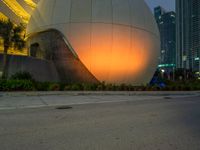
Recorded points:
16,100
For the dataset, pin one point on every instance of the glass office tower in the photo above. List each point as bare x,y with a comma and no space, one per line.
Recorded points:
18,11
188,34
166,22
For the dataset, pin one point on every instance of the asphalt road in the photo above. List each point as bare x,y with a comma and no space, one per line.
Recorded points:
168,123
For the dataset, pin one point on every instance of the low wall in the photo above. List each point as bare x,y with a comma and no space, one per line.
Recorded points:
41,70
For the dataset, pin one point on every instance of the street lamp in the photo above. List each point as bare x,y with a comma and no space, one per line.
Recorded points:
162,73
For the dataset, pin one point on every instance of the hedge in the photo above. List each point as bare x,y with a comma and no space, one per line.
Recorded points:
28,85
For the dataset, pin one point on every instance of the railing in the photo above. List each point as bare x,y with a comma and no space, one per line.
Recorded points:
31,3
17,9
3,17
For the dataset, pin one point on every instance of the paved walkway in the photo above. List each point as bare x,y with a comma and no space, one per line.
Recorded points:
16,100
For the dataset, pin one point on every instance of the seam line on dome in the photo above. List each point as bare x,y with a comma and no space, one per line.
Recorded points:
70,11
110,64
131,36
91,16
104,23
52,14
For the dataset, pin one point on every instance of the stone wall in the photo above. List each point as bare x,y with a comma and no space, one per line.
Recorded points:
41,70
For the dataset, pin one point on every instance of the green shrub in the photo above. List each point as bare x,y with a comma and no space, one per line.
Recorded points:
67,88
180,88
42,86
76,87
130,88
173,88
22,76
24,82
89,87
100,87
139,88
54,87
122,87
16,85
195,88
62,86
186,88
109,87
148,88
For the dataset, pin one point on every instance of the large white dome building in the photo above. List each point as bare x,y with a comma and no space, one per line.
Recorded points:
116,41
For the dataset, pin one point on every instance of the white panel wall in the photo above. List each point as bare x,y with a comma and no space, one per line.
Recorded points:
117,40
102,11
81,10
137,13
120,60
101,44
61,13
127,12
46,15
121,13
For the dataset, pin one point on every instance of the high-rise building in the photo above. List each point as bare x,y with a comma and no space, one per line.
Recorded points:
188,34
167,27
158,12
17,10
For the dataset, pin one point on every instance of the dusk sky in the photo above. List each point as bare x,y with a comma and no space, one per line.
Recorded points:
167,4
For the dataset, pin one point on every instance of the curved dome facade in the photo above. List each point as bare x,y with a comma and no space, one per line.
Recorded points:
116,40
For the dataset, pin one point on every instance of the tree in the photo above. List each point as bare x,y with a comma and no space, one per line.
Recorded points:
12,37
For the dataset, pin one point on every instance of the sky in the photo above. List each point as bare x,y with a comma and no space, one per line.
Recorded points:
166,4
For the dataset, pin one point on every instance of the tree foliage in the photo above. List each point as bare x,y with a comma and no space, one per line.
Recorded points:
12,36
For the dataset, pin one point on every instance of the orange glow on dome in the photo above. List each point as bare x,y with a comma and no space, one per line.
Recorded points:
113,54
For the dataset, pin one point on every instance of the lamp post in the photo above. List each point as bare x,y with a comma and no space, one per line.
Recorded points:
162,73
173,73
199,70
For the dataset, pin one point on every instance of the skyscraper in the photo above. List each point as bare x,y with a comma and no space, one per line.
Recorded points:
17,10
158,12
167,27
188,34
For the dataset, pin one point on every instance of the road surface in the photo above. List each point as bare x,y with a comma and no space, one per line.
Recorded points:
154,123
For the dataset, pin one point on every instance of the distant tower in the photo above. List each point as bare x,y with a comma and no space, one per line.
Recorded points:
188,34
158,12
167,27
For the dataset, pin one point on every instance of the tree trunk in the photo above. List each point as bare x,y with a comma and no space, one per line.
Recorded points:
5,63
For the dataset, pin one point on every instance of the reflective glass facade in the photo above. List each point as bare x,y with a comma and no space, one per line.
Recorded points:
188,34
18,11
166,22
